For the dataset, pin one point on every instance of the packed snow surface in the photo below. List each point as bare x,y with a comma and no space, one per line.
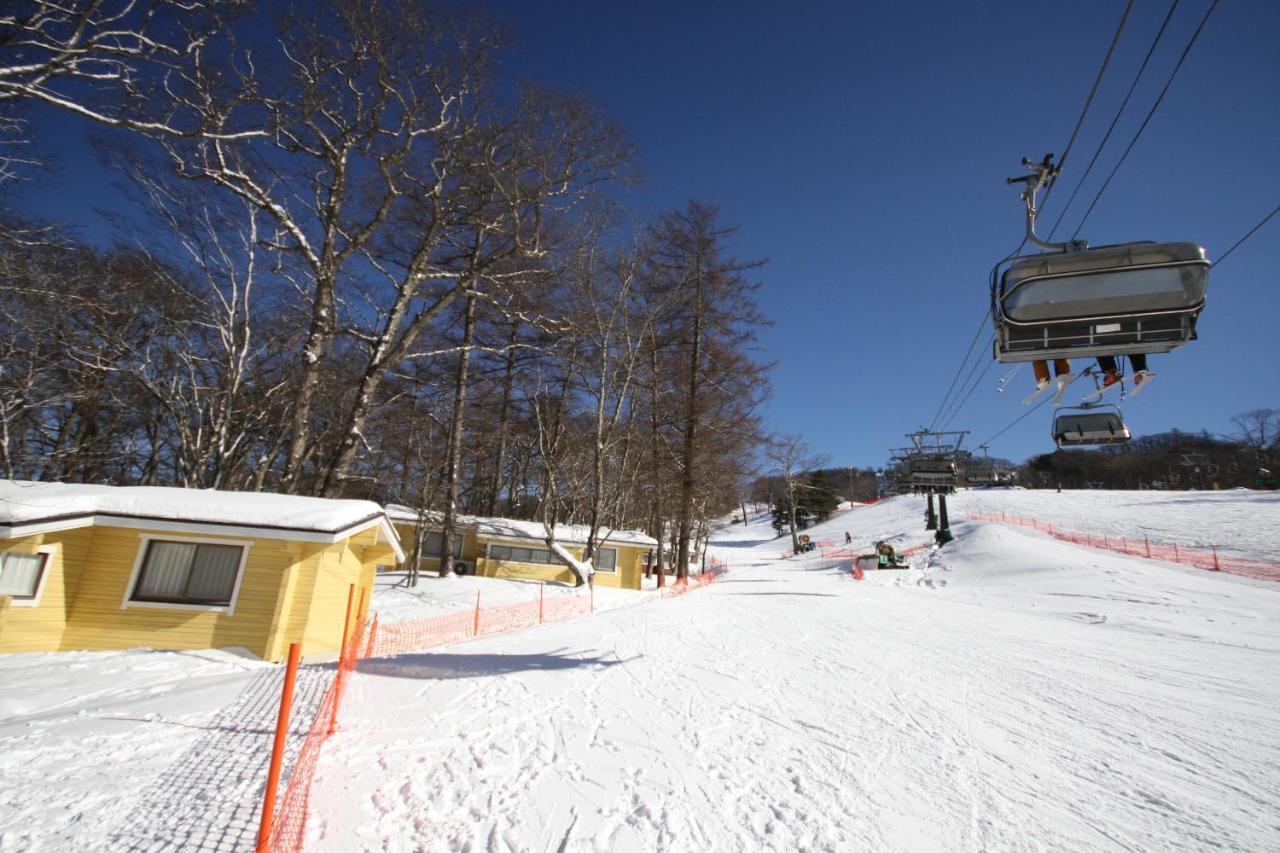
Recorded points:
1011,691
95,745
23,502
1008,692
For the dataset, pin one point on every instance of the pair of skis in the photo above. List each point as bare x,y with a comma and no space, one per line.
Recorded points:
1141,380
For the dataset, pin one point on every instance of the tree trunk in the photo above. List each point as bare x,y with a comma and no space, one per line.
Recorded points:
319,336
504,418
690,429
453,461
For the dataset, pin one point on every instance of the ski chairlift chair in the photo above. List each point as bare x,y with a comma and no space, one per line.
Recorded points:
1090,425
935,472
1115,300
981,473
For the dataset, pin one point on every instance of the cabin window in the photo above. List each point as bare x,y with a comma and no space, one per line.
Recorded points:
433,545
20,575
607,560
517,554
189,573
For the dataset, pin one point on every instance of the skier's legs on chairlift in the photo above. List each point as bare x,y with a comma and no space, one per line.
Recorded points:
1111,370
1061,367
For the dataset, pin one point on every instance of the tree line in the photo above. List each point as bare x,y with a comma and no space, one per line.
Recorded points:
1171,460
366,263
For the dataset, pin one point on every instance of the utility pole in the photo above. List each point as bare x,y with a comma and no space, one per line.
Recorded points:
931,520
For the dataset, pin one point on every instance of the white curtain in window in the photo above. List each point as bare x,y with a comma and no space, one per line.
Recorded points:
20,574
213,574
168,566
607,559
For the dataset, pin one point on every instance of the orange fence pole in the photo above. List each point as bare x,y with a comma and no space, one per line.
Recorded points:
1216,567
340,678
475,628
542,596
591,596
346,625
1175,553
1147,543
277,748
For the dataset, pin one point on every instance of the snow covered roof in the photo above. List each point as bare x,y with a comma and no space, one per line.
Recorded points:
401,514
28,507
512,528
575,534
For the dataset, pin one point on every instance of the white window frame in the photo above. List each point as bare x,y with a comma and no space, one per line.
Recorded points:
49,552
144,542
612,571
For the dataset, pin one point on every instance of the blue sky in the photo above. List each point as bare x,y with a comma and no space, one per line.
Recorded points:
863,149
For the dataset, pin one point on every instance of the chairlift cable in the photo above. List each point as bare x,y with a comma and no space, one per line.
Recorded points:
1097,82
960,367
1250,233
972,387
1137,134
1115,119
1018,420
962,395
1106,61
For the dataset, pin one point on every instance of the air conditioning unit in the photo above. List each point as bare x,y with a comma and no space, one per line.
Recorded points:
462,567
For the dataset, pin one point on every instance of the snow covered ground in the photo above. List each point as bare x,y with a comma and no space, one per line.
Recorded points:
1009,692
136,749
1240,521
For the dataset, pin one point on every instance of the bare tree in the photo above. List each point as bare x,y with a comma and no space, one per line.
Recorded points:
1258,430
791,456
713,317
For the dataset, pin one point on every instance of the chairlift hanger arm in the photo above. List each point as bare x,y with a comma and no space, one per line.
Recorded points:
1042,174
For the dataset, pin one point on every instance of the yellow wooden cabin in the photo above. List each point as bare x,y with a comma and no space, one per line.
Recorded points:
108,567
510,548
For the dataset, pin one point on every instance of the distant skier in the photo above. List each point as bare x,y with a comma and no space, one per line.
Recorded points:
848,540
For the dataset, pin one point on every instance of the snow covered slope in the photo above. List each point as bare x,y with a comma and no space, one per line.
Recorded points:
1009,692
99,749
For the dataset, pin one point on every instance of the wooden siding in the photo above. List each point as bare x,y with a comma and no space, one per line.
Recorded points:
39,628
627,576
290,592
99,621
471,551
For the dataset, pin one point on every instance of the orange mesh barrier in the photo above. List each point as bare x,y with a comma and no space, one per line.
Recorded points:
289,827
376,640
1212,560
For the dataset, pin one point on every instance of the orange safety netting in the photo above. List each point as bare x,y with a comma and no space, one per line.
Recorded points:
290,824
289,827
1172,552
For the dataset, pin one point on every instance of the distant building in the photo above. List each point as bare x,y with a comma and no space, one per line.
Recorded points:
112,567
510,548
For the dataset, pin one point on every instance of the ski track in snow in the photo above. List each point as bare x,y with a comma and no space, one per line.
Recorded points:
1010,692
